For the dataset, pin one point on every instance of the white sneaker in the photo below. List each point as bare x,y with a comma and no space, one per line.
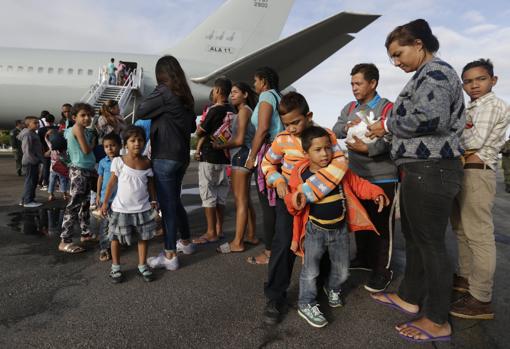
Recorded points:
186,249
32,204
43,188
160,261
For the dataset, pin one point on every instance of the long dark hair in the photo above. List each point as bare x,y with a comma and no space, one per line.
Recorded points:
270,76
170,74
252,98
418,29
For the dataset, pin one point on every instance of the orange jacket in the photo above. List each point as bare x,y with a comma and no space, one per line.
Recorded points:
354,187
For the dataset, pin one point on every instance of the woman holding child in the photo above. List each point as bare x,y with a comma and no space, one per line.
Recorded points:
426,122
267,123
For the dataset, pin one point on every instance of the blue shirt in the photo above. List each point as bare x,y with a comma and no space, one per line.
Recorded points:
77,156
373,103
104,170
273,98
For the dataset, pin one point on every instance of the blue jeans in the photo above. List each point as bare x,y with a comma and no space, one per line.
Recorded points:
63,182
31,178
168,175
317,241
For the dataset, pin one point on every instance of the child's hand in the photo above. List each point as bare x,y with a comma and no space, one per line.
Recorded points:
104,210
281,189
154,205
382,201
298,200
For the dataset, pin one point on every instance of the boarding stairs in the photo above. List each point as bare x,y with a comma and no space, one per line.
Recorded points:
125,94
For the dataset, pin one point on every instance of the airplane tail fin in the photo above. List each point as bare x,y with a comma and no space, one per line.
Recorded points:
294,56
236,29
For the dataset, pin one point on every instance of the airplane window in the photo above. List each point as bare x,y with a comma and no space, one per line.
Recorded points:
9,68
80,71
30,69
20,69
60,71
40,70
50,70
90,72
70,71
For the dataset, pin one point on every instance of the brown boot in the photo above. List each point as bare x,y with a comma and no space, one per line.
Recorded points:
468,307
460,284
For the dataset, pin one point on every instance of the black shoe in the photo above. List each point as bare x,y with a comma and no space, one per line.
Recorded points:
116,277
379,281
146,275
357,264
272,313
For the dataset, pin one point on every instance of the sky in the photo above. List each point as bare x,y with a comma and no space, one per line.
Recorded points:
467,30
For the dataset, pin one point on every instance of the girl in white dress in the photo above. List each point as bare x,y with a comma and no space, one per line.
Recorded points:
133,211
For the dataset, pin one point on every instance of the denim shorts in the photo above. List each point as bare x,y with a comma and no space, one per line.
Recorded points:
239,159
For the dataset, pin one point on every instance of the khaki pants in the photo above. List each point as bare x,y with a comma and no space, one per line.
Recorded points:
472,221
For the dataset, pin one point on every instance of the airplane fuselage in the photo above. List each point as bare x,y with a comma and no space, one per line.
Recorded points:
32,80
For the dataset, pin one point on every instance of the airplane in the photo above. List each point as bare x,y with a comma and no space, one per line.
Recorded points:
239,37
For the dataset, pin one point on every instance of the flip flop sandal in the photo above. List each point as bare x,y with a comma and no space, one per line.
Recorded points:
104,256
253,260
252,243
225,249
203,240
429,336
70,248
390,303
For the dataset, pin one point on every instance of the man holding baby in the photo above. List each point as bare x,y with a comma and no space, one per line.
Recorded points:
370,159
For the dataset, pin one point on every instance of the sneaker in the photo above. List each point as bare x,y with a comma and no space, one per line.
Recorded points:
468,307
160,261
312,315
272,313
116,277
146,274
335,299
186,249
43,188
20,203
357,264
32,204
460,284
379,281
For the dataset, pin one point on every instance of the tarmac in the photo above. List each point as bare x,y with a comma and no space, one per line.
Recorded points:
49,299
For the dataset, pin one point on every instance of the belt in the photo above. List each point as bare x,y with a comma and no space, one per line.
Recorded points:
471,165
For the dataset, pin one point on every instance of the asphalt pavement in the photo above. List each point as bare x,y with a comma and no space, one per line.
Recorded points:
49,299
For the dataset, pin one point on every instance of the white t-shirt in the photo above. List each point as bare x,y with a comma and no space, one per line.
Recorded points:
132,193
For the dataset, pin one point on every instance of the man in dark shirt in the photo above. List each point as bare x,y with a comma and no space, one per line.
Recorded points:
16,146
212,176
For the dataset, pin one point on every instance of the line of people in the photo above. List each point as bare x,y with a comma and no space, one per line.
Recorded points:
427,150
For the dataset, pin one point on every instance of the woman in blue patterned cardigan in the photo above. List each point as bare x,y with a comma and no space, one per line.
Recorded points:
426,122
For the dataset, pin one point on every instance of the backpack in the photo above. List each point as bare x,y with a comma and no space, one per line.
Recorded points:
224,132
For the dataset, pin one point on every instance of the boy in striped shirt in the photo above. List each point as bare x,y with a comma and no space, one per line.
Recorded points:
285,152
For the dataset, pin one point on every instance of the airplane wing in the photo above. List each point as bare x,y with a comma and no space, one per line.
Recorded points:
297,54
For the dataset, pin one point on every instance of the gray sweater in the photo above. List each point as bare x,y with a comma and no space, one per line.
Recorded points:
377,165
31,147
428,116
